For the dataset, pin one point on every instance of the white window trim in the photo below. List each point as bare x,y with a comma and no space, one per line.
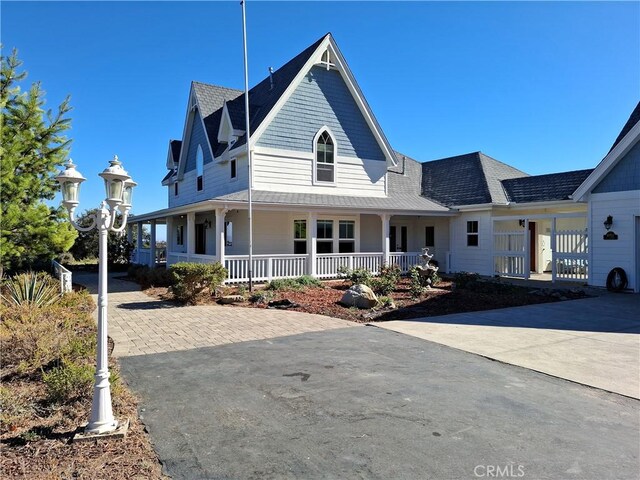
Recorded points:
233,179
199,154
323,129
466,234
336,231
293,233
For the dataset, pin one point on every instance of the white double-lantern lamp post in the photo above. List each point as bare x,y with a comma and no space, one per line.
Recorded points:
119,187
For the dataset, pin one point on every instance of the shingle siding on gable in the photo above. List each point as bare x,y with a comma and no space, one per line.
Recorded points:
198,137
322,98
625,176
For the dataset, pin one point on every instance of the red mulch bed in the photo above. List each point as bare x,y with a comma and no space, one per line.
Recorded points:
441,300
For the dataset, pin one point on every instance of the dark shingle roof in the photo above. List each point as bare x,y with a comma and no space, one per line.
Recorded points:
169,174
473,178
175,146
211,99
262,98
633,119
544,188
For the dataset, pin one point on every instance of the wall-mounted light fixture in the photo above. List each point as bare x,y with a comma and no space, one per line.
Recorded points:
521,222
207,223
608,222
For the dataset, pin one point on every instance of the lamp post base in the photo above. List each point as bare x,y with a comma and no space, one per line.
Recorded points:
119,432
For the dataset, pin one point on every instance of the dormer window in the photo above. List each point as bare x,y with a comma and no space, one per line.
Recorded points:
199,168
325,158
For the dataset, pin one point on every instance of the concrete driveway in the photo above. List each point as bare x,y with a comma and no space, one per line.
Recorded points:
594,341
371,403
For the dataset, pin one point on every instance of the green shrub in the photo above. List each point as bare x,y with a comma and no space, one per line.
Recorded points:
390,273
385,301
309,281
31,288
465,279
293,283
193,280
68,382
357,276
383,285
416,287
261,297
283,284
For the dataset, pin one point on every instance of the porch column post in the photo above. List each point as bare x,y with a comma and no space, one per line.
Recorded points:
385,217
139,242
169,236
312,229
191,234
152,256
220,240
527,250
554,263
130,236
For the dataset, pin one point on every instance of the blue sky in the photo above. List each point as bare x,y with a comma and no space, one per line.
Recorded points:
545,87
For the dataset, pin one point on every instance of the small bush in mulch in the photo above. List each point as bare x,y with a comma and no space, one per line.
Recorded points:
298,283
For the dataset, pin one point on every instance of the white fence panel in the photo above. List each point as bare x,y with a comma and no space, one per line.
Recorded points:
405,260
265,267
509,253
64,276
570,255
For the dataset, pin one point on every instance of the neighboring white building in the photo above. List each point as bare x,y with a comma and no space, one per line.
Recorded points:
328,190
613,190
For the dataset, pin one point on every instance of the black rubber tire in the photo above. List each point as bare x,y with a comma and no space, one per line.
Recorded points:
617,280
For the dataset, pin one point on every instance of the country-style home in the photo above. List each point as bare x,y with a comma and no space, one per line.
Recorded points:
328,190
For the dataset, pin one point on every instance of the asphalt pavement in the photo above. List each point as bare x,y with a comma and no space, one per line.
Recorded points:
372,403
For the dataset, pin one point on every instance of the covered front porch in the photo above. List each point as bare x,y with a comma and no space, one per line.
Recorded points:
289,242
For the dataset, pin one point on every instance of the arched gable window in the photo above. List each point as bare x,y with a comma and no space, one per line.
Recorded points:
199,167
325,158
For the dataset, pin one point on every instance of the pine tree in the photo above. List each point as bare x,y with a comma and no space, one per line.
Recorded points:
32,146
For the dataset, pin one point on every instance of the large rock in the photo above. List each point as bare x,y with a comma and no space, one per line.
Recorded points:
359,296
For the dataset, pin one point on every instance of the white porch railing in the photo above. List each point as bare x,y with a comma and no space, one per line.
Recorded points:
265,267
175,257
405,260
570,255
63,275
142,256
509,253
328,264
269,267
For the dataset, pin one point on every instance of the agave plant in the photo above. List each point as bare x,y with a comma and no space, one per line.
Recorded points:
31,288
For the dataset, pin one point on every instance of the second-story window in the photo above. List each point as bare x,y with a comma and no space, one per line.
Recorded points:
233,166
199,168
325,158
175,189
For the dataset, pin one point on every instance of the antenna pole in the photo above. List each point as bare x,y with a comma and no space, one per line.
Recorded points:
248,136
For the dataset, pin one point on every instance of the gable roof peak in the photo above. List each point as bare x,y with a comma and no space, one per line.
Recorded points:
634,118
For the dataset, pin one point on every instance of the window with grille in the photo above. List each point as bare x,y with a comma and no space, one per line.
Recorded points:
325,161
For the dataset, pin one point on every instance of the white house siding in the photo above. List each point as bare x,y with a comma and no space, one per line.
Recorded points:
471,259
370,233
624,207
416,234
291,171
216,181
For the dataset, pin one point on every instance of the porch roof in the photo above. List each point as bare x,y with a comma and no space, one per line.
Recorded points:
398,201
